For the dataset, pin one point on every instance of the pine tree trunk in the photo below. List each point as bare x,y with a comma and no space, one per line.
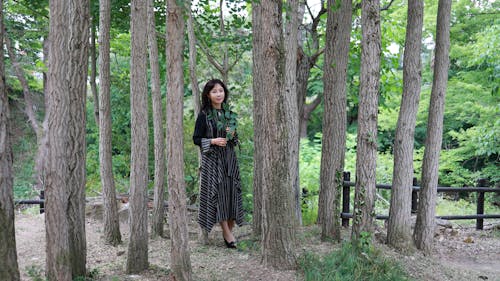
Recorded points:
424,228
366,154
180,260
278,219
399,227
79,11
9,269
335,115
159,142
112,234
137,259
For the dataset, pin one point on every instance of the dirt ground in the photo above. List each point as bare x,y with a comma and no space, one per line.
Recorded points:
459,254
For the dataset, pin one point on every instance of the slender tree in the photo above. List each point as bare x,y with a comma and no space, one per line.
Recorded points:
338,32
399,228
159,142
180,260
366,153
21,76
273,62
424,228
65,139
9,269
93,70
112,234
137,259
192,63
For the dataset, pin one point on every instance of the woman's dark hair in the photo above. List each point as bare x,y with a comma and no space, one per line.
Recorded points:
205,101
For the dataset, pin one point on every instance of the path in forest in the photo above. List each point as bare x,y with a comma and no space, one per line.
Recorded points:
460,254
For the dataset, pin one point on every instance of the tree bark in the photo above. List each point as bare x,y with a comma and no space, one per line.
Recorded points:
258,41
159,142
338,33
278,219
66,122
93,71
112,234
291,105
424,228
180,260
366,154
399,227
137,259
9,269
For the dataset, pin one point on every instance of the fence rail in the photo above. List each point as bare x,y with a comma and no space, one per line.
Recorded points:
479,216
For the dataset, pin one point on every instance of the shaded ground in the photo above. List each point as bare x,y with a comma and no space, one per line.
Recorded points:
460,254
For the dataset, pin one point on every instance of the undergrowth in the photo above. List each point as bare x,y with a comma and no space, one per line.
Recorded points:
351,262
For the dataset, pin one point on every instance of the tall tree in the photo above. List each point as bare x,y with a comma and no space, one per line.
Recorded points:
291,105
399,228
366,153
93,69
137,259
9,269
65,139
424,228
273,63
180,260
79,55
112,234
159,142
338,31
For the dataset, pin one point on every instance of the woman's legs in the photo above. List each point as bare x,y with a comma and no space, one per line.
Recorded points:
227,227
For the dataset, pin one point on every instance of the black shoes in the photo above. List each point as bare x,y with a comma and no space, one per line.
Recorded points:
231,244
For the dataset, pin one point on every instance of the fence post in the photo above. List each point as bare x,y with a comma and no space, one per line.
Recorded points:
345,198
414,197
480,203
42,205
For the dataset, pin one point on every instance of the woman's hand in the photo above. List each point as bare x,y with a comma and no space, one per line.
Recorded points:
219,141
229,131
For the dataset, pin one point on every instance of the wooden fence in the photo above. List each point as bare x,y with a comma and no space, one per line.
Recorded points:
479,216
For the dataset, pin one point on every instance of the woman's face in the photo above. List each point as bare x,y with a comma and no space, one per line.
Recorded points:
216,96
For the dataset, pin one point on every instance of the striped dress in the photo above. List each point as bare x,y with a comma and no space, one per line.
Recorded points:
220,186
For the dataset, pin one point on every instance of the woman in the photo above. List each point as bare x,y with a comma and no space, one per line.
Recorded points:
220,188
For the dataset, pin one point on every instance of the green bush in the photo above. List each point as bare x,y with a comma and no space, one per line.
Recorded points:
351,263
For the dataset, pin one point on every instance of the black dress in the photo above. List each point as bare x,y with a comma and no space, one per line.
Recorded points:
220,186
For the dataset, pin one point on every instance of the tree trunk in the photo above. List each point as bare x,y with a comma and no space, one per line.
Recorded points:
9,269
66,122
26,90
335,115
291,106
424,228
137,259
366,154
112,234
93,72
278,219
399,227
258,41
159,142
192,64
180,260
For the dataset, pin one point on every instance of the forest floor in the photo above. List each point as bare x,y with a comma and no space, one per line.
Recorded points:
460,253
